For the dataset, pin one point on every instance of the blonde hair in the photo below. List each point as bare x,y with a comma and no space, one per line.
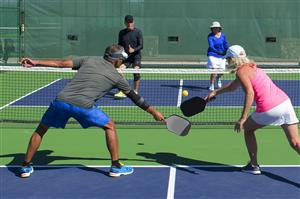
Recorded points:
236,62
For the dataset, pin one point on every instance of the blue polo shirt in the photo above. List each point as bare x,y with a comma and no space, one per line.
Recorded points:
216,45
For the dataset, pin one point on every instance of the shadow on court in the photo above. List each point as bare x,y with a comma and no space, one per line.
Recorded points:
44,158
280,178
170,159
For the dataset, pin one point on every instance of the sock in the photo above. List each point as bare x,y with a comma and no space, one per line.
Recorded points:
25,164
116,163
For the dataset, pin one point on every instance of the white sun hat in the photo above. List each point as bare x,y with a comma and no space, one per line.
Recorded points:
235,51
215,24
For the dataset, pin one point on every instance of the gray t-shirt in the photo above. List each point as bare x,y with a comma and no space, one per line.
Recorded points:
95,77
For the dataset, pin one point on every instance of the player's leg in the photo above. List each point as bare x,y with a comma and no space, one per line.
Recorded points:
35,142
136,76
221,65
291,132
55,116
212,81
291,125
112,142
136,83
218,79
117,169
96,117
33,145
250,126
211,64
120,94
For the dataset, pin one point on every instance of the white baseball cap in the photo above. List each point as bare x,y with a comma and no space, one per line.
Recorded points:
235,51
215,24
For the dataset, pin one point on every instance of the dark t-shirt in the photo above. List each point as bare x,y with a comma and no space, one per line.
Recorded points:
95,77
134,38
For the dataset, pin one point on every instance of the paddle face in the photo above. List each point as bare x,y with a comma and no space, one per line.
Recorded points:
178,125
193,106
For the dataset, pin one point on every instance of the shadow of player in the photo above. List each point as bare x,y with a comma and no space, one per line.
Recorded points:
43,158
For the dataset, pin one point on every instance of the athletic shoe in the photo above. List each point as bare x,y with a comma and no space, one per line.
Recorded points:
26,171
120,95
117,172
219,83
211,87
249,168
136,92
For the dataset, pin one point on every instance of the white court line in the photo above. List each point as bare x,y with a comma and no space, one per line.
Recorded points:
6,105
228,166
25,106
102,106
152,166
91,166
171,184
179,98
215,107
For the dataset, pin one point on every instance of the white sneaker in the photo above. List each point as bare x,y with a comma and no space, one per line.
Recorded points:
136,92
211,87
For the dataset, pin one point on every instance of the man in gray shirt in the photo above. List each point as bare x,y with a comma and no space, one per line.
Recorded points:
95,77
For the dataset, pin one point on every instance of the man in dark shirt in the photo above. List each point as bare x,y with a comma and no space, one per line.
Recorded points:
95,77
131,39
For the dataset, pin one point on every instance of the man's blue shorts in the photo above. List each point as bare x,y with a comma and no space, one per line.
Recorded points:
60,112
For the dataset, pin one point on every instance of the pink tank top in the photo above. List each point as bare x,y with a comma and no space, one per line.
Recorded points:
266,94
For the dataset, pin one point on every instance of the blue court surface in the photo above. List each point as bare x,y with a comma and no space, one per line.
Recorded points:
207,182
160,93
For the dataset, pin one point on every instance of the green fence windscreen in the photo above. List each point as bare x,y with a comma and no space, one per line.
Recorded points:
268,29
9,30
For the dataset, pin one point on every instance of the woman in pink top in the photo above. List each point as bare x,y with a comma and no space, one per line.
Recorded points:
273,106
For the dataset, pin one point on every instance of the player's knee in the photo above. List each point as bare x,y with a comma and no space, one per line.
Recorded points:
41,130
110,125
249,132
250,126
136,76
247,129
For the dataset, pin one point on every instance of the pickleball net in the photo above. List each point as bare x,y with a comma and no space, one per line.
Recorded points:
27,92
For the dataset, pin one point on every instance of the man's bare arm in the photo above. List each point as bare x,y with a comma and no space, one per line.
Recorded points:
26,62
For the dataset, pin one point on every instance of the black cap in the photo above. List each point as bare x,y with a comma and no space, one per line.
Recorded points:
128,19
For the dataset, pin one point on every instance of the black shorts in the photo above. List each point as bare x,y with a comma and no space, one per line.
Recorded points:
133,62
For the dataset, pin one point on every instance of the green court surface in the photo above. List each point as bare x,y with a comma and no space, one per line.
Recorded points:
146,146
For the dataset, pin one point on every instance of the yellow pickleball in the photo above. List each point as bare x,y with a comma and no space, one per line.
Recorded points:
185,93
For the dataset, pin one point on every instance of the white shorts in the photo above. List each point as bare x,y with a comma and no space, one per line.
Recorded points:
282,114
216,63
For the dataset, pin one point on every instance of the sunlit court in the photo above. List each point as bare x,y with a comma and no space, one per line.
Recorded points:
149,99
